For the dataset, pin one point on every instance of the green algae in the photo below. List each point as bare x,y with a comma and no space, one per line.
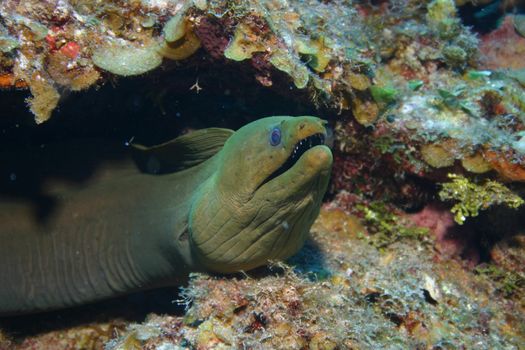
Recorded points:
509,283
384,95
472,197
415,85
386,227
478,74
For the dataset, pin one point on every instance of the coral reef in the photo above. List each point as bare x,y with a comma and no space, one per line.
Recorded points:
344,294
91,336
410,70
413,94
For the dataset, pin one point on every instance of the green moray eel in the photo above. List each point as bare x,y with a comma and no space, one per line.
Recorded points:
212,200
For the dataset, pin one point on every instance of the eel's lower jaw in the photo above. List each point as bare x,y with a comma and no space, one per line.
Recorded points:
299,149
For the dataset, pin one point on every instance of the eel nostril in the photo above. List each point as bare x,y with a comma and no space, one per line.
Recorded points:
301,126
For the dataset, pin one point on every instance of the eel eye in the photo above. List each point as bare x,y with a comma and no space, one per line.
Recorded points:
275,136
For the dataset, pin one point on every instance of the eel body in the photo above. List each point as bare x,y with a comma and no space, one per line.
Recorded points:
213,200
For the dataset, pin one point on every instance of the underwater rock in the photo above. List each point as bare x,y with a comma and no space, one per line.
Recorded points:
507,169
77,78
339,292
89,336
213,39
182,48
509,253
316,52
503,48
359,82
296,70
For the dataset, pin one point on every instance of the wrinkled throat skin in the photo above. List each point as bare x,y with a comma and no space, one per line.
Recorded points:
265,195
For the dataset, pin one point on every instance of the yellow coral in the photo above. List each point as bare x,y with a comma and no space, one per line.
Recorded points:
476,164
437,155
357,81
317,51
181,49
365,111
180,42
244,44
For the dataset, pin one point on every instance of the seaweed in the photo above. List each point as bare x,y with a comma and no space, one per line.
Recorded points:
472,197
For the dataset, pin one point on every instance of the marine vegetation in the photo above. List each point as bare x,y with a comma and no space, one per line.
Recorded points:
385,227
508,282
472,197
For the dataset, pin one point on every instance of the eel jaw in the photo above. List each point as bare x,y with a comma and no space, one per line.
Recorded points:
299,149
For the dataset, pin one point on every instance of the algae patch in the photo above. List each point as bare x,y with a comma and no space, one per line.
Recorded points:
471,197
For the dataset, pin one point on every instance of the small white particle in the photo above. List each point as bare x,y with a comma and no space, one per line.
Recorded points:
127,143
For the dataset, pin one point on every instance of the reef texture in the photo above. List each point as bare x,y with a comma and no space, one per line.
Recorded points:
423,109
340,293
405,81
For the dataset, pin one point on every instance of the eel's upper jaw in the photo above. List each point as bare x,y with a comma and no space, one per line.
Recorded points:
299,149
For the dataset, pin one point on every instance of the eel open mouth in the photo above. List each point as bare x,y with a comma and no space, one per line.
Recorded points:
299,149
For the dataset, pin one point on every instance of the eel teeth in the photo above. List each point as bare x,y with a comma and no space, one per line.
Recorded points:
303,146
299,149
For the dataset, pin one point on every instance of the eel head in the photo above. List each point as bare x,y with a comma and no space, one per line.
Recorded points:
265,195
